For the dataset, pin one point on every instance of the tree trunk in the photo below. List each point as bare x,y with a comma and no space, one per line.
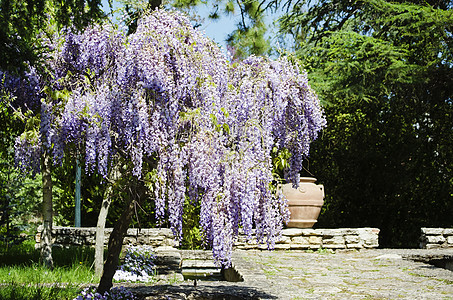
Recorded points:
100,228
78,183
46,235
116,241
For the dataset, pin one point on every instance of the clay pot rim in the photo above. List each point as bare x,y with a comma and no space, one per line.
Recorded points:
308,179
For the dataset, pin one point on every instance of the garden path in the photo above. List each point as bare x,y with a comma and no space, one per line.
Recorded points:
372,273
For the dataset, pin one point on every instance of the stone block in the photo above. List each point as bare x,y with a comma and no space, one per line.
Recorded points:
370,245
292,232
90,240
329,232
432,246
448,231
310,232
262,247
282,246
171,242
284,240
369,237
334,246
450,240
86,232
300,246
248,247
435,239
432,231
354,246
315,246
300,240
351,239
333,240
350,231
315,240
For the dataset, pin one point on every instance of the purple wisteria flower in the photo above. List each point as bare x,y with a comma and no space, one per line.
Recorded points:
169,92
115,293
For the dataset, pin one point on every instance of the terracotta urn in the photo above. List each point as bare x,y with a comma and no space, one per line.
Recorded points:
304,203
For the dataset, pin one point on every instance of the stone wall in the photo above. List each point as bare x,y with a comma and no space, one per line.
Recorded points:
432,238
305,239
78,236
292,238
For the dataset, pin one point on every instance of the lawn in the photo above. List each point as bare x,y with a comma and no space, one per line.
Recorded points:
22,276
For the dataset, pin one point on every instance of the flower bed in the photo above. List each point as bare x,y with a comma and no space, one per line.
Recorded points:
138,265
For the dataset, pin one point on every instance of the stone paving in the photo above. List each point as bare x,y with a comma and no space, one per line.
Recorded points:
324,274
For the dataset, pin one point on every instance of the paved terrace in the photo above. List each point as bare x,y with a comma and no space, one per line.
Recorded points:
323,274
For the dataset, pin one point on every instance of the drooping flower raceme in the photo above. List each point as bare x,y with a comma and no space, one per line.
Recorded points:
167,91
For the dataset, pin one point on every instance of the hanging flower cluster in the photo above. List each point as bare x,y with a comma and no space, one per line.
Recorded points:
167,91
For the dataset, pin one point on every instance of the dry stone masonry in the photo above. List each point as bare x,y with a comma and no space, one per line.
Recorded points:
292,238
432,238
86,236
313,239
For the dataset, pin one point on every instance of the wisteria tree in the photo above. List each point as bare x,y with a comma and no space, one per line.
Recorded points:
165,106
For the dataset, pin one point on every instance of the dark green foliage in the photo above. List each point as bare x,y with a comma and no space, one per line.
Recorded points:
23,25
384,72
92,191
134,9
192,236
19,196
11,207
248,37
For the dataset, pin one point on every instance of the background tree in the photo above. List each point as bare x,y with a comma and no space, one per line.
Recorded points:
23,25
384,72
249,34
17,194
25,30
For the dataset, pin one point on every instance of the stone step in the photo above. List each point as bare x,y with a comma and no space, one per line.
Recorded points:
197,263
202,273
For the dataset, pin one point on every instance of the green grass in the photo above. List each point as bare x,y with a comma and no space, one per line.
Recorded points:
22,276
36,292
37,273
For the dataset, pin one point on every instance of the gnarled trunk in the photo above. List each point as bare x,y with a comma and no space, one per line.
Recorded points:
100,228
117,236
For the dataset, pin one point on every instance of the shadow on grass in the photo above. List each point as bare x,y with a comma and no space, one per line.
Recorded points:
26,255
205,292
